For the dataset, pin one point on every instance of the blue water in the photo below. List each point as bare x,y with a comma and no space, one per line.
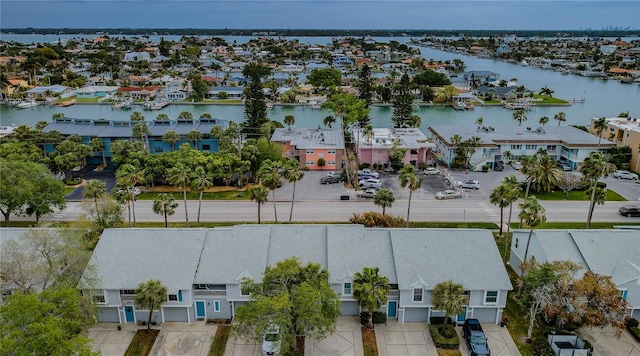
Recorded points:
602,98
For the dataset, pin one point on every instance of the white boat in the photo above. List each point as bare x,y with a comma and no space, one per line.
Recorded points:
126,104
269,105
154,105
27,104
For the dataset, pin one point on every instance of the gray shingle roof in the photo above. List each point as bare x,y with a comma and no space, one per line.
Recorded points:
306,138
466,256
125,257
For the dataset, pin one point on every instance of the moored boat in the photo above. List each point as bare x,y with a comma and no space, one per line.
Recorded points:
29,103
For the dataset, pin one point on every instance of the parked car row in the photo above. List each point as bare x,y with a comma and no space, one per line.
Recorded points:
620,174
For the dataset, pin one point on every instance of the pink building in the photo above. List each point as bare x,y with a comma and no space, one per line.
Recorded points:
376,149
312,147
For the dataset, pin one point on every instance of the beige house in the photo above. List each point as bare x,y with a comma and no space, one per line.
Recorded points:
626,132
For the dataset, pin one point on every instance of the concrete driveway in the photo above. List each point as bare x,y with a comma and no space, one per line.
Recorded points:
606,343
110,341
184,339
500,341
406,339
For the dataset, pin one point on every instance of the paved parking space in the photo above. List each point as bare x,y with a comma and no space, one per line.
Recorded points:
184,339
499,339
404,339
605,342
109,341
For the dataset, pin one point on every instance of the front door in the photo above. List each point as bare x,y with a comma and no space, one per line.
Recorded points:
128,312
391,309
200,311
462,316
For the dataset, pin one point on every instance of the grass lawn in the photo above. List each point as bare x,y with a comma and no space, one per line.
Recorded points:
548,100
461,225
142,342
369,342
610,195
450,352
220,340
221,195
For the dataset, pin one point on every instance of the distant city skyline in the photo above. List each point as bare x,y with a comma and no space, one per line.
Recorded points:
327,14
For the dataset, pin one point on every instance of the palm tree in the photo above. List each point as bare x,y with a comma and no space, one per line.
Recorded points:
97,145
600,125
498,197
180,175
162,117
129,175
165,205
546,91
533,215
593,168
205,115
370,289
519,116
293,173
561,117
528,167
185,115
511,193
448,296
368,133
95,189
142,131
270,175
259,194
384,198
289,120
200,181
545,173
136,116
479,121
329,120
150,295
409,178
194,135
171,137
544,120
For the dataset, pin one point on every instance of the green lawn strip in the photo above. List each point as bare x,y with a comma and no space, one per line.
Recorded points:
369,344
460,225
178,195
142,342
610,195
220,340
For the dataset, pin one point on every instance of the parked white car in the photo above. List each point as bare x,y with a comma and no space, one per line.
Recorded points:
272,342
370,183
625,175
516,165
469,184
431,171
448,194
367,193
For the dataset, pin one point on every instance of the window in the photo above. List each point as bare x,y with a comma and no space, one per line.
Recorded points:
517,241
551,148
158,149
310,163
623,294
491,297
206,147
516,147
309,152
97,296
417,295
216,306
414,152
244,290
331,152
173,297
532,147
346,289
127,291
331,163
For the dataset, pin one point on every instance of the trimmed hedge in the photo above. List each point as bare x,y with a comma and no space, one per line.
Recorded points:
542,348
378,318
448,341
438,320
634,330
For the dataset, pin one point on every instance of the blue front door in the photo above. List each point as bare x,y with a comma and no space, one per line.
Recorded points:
391,309
128,312
462,316
200,313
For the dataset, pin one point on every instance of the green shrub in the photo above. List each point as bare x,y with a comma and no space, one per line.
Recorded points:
632,323
375,219
438,320
378,317
448,341
635,332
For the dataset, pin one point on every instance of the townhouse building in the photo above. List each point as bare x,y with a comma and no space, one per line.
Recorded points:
376,148
316,149
203,269
625,131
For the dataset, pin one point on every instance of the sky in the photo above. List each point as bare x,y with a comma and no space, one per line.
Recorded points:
325,14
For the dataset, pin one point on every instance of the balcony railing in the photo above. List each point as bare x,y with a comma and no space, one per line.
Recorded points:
204,292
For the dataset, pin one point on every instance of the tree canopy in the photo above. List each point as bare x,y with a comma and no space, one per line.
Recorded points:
293,296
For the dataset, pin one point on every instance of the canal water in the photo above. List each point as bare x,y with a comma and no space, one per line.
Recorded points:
601,98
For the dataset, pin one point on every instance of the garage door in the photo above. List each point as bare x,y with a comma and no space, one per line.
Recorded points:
416,314
349,308
175,314
485,315
108,315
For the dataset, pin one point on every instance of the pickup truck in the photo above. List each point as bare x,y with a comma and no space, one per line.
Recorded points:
368,172
476,340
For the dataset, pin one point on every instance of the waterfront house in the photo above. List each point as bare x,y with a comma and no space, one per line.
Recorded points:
563,143
110,130
40,92
12,87
376,149
607,252
312,147
205,282
232,92
480,76
626,132
136,56
496,92
95,91
138,93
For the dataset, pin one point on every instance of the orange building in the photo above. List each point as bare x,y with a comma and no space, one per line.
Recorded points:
317,149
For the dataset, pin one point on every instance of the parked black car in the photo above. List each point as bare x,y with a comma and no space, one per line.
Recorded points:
330,180
498,166
629,210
